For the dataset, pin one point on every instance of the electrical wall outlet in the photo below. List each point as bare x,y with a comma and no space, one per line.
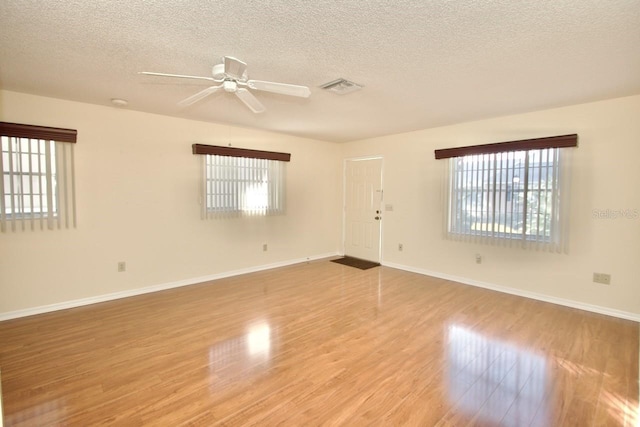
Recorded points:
264,247
478,259
400,247
122,266
602,278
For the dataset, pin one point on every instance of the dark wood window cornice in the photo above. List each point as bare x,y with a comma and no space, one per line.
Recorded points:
18,130
240,152
561,141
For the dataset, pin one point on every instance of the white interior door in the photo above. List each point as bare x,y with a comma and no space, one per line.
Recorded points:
363,199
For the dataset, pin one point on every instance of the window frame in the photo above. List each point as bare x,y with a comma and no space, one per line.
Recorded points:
497,208
18,170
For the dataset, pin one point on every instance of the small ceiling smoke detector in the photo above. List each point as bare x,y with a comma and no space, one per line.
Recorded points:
119,102
341,86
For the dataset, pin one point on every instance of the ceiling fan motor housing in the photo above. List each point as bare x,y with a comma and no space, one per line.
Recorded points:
218,71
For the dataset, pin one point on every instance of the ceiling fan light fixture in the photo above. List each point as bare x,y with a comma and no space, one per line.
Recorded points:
230,86
341,86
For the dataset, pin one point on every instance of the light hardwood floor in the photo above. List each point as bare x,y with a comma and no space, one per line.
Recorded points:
321,344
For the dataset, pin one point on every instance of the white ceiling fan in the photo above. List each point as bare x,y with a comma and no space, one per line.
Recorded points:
231,76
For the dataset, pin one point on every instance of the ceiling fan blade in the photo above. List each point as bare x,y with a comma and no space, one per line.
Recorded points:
234,68
198,96
181,76
250,100
281,88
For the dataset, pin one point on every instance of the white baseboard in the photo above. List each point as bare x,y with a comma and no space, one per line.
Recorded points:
540,297
155,288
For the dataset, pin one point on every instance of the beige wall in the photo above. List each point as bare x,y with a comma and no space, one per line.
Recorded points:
137,186
605,175
137,201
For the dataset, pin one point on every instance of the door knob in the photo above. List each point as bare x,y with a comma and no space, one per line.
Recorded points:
378,218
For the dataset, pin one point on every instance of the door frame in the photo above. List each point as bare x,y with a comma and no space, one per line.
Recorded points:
344,200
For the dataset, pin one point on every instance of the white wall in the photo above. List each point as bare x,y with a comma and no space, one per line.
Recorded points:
605,175
137,189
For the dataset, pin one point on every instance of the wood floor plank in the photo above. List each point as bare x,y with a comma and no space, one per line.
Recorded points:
321,344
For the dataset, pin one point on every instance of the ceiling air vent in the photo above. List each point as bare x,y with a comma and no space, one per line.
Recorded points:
341,86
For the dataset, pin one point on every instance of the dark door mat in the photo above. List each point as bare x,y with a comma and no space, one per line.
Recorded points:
356,262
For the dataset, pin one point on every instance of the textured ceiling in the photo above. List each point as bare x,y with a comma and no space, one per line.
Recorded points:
422,63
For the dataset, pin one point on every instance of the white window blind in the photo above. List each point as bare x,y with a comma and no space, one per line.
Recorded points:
243,186
241,183
509,198
38,181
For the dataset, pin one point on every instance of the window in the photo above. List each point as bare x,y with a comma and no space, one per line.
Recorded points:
37,185
238,182
508,197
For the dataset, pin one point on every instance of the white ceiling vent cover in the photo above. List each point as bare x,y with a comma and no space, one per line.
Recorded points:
341,86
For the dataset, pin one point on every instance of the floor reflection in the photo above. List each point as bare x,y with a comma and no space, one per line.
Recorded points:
46,413
259,341
496,381
242,356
